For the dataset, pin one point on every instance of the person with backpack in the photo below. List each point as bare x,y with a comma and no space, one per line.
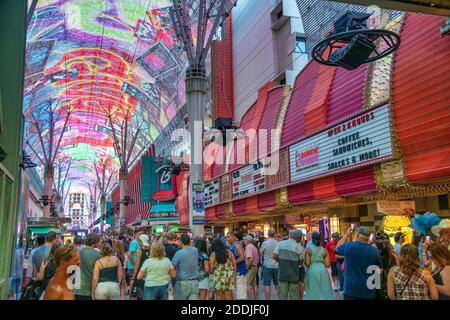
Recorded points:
131,257
142,254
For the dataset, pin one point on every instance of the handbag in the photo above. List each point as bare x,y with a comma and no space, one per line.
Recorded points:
404,287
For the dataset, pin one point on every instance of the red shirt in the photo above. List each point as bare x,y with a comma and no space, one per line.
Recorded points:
331,246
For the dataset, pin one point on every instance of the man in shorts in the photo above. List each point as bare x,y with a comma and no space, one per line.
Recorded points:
270,266
252,260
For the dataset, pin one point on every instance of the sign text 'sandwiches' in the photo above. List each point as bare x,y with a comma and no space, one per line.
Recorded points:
361,140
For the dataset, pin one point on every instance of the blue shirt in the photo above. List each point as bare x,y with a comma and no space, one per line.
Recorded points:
39,255
134,246
241,267
397,248
358,257
185,262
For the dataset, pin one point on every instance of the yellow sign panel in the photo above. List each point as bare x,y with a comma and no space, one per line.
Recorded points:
394,224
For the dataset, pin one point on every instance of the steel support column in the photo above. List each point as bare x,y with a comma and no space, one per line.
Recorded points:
123,185
48,187
196,89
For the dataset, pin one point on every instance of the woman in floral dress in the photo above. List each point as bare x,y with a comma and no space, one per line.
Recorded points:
223,267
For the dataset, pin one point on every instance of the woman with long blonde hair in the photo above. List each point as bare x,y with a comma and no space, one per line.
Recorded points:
408,281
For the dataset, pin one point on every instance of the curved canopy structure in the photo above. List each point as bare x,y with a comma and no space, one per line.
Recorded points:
94,68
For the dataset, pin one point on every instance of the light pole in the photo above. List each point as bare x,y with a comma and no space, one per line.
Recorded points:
197,20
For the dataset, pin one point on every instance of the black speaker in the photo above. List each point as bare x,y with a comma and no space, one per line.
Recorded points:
354,54
223,123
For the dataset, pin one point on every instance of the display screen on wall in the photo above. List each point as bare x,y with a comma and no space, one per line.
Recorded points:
248,180
212,192
198,203
361,140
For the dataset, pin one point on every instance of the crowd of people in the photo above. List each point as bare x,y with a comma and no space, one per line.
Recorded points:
355,266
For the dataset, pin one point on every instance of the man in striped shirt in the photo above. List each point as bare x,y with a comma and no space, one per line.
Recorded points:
290,255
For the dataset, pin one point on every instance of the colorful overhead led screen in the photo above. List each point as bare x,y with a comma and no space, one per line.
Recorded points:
93,56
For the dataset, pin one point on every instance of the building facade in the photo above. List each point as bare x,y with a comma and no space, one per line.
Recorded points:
79,210
349,141
267,45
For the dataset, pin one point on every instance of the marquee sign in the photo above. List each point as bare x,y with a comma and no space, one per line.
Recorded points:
397,208
361,140
212,192
249,179
281,178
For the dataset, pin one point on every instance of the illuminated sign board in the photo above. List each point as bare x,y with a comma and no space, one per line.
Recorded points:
198,203
212,192
161,229
248,180
357,141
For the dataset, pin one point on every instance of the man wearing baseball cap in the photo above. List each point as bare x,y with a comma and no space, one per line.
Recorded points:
443,231
290,255
359,257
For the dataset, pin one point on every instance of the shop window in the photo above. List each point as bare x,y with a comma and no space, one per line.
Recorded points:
280,14
363,210
334,225
300,44
443,202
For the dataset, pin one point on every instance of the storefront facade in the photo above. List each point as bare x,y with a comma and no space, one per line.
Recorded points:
348,139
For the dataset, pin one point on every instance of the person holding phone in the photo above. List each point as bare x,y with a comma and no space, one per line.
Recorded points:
399,239
359,257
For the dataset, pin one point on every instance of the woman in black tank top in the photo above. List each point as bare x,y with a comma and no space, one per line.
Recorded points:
107,275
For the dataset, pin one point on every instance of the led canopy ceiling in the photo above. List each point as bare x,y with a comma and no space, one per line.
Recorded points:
92,67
